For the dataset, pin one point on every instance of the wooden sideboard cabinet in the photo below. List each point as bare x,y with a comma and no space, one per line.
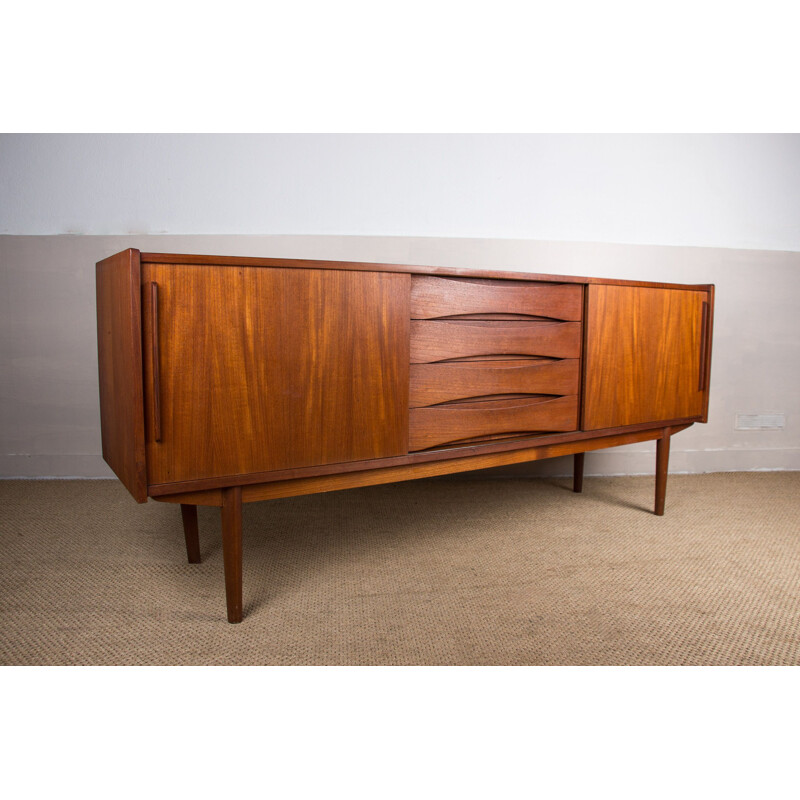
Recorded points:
229,380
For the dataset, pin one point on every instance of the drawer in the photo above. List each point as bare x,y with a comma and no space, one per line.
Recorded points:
463,422
445,297
440,383
439,340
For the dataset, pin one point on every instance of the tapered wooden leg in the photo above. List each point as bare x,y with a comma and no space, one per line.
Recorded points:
662,464
577,472
190,531
232,550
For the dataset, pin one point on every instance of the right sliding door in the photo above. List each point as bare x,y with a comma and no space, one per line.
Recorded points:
647,355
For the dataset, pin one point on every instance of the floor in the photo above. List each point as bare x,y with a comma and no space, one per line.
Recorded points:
454,571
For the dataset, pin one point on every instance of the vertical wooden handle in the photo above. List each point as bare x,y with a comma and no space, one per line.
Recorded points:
155,360
703,382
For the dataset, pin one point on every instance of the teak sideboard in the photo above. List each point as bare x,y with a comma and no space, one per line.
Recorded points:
229,380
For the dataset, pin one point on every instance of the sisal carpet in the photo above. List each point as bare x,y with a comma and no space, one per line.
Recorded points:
473,571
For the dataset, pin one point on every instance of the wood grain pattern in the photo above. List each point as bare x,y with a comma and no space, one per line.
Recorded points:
438,340
433,297
439,383
119,356
406,269
274,369
439,425
642,356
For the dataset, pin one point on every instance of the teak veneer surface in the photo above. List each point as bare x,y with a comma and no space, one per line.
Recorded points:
440,425
226,380
439,383
271,369
439,340
119,355
644,353
443,297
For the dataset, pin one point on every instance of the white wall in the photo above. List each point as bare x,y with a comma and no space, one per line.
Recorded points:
663,191
710,190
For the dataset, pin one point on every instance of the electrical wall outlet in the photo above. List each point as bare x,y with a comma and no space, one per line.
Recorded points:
760,422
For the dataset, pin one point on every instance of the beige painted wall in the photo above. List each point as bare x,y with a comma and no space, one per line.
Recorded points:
49,413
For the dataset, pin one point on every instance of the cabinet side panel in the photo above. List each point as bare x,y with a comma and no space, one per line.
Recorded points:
643,355
119,356
265,369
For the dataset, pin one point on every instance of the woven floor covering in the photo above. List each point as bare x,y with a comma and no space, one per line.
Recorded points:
469,571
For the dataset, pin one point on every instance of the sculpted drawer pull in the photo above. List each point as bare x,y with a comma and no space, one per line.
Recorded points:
441,340
440,425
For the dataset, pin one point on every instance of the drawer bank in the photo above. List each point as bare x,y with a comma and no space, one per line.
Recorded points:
229,380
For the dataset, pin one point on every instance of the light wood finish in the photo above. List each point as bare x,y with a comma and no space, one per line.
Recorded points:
577,472
119,356
241,379
442,297
232,550
440,425
273,369
439,340
440,383
191,532
662,468
643,355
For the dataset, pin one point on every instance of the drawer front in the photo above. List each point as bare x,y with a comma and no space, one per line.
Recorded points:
441,340
460,422
441,383
444,297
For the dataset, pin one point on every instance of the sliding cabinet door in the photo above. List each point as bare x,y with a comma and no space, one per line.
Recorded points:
258,369
647,355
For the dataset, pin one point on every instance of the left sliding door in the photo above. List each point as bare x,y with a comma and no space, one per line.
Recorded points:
254,369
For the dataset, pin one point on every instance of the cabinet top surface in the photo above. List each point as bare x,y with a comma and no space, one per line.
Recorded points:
460,272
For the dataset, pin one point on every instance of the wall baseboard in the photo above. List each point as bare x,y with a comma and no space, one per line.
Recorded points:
598,463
